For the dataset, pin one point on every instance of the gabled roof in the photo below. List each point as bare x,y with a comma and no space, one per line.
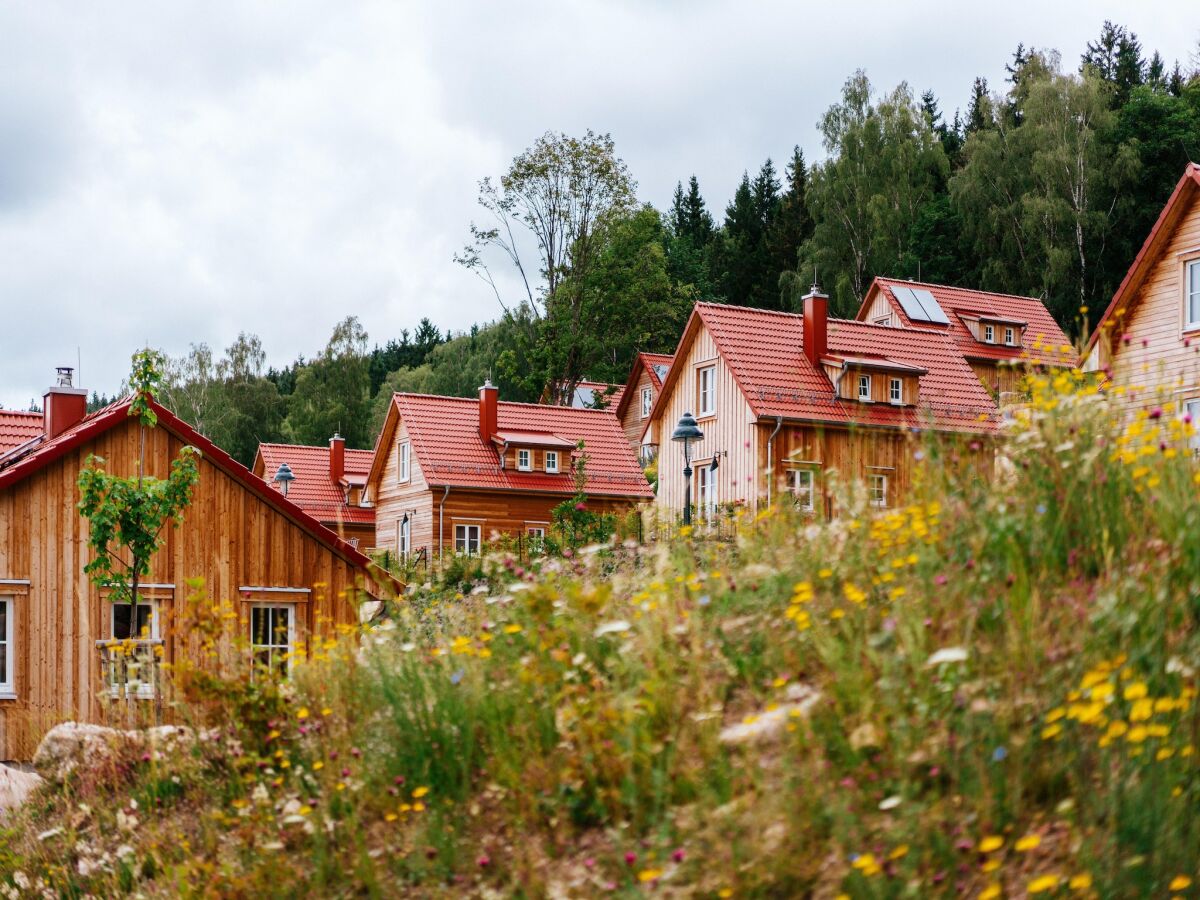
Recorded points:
1043,339
444,432
313,490
1177,205
655,365
764,351
16,428
18,466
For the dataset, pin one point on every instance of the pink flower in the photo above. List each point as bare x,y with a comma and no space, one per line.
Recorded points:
678,855
1156,413
589,862
581,506
630,858
483,861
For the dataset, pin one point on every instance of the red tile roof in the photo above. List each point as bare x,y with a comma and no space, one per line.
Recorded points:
1177,204
16,428
650,363
764,351
1043,339
19,465
313,490
445,438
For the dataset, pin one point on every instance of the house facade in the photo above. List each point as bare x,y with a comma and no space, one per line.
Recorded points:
787,400
999,335
637,401
328,483
449,472
288,579
1148,340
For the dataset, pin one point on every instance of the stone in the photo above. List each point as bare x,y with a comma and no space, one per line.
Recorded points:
69,745
15,787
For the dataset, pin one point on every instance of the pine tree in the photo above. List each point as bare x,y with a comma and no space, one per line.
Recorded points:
979,110
689,239
1116,58
792,225
742,267
950,138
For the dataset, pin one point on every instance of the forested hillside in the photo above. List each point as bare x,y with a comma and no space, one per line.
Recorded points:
1044,185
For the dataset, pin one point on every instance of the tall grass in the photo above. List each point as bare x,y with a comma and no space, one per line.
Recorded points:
990,692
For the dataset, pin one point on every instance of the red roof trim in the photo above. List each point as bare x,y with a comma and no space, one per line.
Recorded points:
97,424
1158,236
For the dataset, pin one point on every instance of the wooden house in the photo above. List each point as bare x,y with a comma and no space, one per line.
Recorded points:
1148,340
451,471
784,399
637,400
288,577
328,483
998,334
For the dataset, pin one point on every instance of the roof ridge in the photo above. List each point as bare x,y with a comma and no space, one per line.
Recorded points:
955,287
891,328
584,409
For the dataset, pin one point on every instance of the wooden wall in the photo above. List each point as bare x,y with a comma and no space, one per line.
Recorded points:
996,377
230,538
393,499
508,512
1161,363
882,306
632,421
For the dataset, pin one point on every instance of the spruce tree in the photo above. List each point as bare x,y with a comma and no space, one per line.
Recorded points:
792,225
979,110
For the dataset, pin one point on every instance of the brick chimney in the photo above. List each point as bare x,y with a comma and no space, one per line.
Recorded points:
489,396
816,325
337,457
63,404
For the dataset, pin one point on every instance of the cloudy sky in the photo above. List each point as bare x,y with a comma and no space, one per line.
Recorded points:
179,172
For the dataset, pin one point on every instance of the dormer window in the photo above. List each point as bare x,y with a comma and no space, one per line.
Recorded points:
525,460
896,390
989,334
647,401
1010,336
864,387
552,461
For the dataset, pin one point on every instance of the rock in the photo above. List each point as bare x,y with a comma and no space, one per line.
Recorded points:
15,786
73,744
769,725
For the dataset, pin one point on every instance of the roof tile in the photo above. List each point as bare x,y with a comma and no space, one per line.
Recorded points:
313,490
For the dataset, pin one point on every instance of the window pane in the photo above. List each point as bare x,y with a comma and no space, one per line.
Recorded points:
1193,292
122,617
260,626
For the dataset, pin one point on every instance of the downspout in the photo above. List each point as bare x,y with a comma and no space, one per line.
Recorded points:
770,466
441,520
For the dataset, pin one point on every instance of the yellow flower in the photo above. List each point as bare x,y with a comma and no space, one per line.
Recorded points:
302,713
990,865
326,711
318,766
418,806
1135,691
991,843
825,573
390,817
649,875
1029,842
1180,883
1043,884
1141,710
512,629
420,792
991,892
724,892
1051,731
899,852
1080,882
867,864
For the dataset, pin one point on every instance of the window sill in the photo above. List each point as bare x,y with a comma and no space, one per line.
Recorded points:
8,695
1191,330
705,417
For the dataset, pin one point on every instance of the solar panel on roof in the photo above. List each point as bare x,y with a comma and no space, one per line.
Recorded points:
933,310
908,301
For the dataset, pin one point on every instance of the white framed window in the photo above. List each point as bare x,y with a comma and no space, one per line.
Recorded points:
864,387
706,490
1191,306
273,635
1010,336
896,390
647,401
1192,409
877,487
403,461
802,484
466,539
525,460
535,537
133,622
403,538
8,658
552,461
136,623
885,321
989,334
706,391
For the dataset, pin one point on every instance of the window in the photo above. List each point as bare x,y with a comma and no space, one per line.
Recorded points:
802,484
1192,306
885,321
706,491
647,401
404,538
989,334
403,454
466,539
8,662
877,485
536,538
896,390
551,461
138,624
864,387
1009,336
1192,409
706,394
272,634
130,623
524,460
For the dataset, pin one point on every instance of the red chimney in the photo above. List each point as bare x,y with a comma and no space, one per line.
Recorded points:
488,396
63,405
337,457
816,325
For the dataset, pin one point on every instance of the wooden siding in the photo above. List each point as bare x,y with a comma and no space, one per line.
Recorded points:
632,421
882,306
229,538
729,433
394,499
1160,363
881,380
506,512
996,377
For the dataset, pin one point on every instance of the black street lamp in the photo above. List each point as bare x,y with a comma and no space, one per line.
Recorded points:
687,432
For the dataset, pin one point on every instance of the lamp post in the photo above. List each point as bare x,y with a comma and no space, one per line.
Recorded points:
284,477
686,432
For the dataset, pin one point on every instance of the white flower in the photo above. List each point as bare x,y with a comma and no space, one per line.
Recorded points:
46,835
408,647
124,850
890,803
947,655
612,628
